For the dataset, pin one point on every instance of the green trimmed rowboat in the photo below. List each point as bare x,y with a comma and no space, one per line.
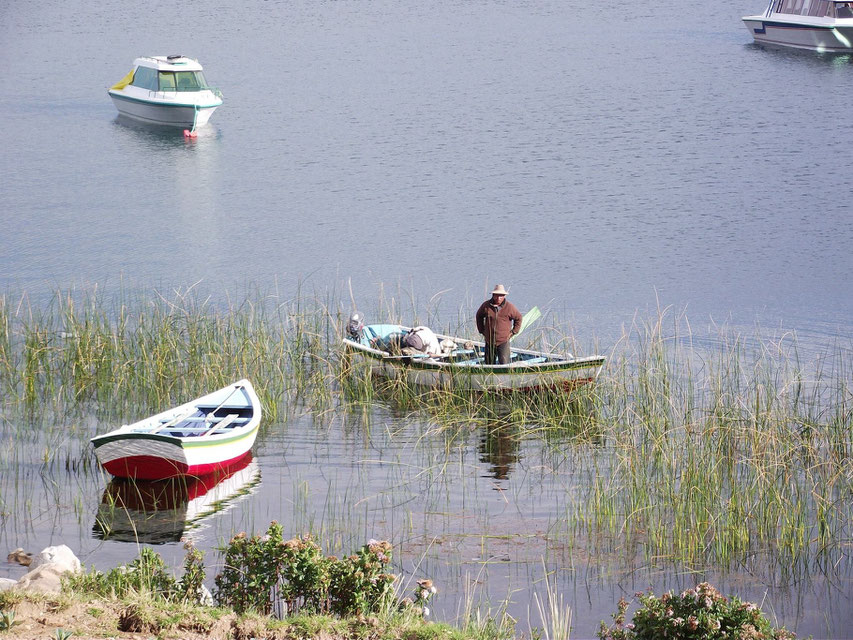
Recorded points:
462,365
196,438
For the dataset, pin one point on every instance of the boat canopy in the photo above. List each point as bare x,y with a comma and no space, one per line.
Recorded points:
168,63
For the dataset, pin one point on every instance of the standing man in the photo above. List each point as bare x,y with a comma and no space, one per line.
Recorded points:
498,320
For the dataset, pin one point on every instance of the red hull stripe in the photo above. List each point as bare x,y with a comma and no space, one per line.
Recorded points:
155,468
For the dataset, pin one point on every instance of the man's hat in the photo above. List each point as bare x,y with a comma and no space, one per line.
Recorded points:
499,290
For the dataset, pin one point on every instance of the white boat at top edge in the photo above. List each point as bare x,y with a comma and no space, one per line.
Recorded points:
196,438
168,91
463,366
819,25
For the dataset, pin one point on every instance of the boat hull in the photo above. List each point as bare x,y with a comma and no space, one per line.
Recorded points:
163,113
183,441
531,380
828,37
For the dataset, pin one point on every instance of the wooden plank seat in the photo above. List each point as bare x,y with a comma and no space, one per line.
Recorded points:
228,422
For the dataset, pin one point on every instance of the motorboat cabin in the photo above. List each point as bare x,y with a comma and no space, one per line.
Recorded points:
819,25
168,91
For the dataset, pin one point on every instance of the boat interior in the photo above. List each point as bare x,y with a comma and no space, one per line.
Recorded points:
205,421
388,337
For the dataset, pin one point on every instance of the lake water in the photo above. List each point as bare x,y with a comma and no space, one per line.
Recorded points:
598,160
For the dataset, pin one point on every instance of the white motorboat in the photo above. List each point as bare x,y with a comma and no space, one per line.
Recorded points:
168,91
819,25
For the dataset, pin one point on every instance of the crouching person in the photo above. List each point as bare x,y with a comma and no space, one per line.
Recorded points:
423,340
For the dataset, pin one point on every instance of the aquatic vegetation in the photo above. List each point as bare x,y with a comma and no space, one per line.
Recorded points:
713,451
83,352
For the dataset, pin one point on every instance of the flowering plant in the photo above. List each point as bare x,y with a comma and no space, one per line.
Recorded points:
701,613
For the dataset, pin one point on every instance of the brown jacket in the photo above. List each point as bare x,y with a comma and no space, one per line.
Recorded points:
498,324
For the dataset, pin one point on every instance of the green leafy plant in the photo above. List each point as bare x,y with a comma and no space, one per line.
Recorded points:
62,634
259,570
360,583
147,573
189,588
701,613
305,575
7,620
251,571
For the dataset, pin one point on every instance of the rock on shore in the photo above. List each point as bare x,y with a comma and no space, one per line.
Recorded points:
46,570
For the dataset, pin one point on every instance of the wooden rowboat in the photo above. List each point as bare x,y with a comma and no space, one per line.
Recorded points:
199,437
463,365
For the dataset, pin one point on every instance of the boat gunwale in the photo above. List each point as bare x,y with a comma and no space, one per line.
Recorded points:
182,442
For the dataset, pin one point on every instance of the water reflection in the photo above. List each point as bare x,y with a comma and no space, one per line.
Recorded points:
161,511
155,135
814,58
499,448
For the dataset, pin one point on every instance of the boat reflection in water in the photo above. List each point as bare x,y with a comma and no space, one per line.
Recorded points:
161,511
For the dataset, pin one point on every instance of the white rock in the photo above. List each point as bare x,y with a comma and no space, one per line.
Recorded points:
59,555
205,597
7,583
45,578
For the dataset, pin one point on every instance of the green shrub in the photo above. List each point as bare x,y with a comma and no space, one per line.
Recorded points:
189,587
701,613
251,571
306,576
259,570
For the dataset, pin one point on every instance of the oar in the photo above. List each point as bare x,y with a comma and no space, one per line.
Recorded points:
529,318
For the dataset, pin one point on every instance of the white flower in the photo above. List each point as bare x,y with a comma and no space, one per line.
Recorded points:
426,611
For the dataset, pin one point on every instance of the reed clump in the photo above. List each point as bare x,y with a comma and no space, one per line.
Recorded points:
717,453
82,352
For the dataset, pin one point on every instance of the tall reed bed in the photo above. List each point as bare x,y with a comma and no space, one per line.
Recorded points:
116,356
721,452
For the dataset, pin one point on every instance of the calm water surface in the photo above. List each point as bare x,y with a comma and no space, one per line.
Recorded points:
597,160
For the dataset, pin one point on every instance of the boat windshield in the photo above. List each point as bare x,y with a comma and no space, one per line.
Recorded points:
182,81
817,8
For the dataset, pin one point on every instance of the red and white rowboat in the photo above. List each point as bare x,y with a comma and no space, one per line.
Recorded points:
196,438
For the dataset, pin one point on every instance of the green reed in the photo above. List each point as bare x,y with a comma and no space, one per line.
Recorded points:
116,356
